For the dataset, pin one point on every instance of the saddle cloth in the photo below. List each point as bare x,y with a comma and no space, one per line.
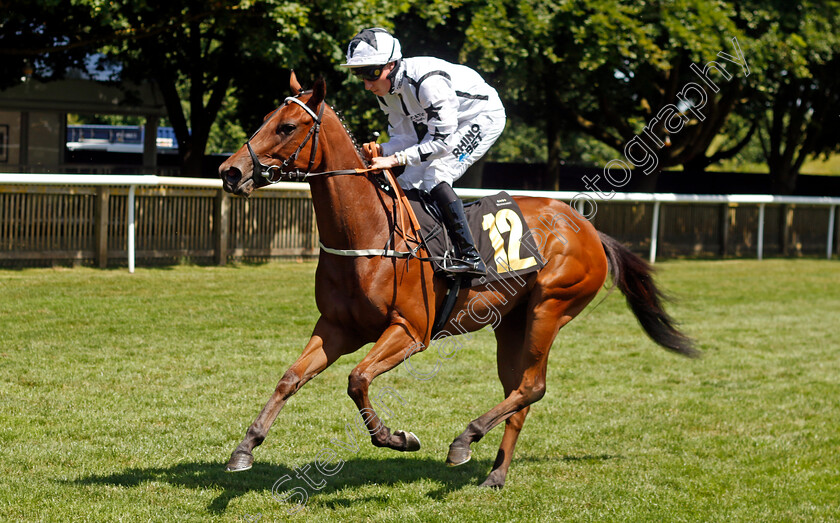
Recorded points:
501,234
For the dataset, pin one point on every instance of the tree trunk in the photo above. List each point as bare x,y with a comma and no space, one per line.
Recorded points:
554,150
553,132
697,164
783,179
192,161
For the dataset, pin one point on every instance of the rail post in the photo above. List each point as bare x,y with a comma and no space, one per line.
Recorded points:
221,225
102,197
654,232
130,211
760,232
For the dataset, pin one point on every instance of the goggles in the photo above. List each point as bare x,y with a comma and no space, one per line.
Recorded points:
370,72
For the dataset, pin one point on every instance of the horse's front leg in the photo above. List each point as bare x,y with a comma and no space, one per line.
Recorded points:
388,352
327,344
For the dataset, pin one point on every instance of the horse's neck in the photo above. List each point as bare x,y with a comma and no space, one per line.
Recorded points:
349,209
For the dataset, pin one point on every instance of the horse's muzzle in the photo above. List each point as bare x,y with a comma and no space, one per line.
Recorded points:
232,182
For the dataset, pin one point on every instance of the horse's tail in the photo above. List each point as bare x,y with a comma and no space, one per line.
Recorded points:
634,277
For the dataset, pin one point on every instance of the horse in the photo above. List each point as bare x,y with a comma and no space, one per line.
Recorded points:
391,301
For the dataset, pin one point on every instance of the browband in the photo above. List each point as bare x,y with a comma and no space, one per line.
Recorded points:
305,107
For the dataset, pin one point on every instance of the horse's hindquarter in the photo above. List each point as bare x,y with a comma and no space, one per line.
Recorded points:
576,264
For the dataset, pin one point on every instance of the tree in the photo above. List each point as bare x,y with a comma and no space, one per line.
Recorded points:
602,68
35,37
203,54
202,47
802,122
198,44
798,54
609,68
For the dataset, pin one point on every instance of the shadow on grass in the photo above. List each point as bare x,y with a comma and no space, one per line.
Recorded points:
591,458
354,473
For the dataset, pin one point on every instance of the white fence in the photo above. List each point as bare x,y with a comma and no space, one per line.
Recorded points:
657,199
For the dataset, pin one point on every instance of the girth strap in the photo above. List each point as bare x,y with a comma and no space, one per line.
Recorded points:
366,252
445,311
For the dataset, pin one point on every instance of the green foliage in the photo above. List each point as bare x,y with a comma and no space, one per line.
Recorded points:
226,134
573,71
797,51
600,67
519,143
122,396
29,30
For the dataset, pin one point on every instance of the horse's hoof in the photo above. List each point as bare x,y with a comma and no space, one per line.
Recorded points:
412,442
458,455
494,481
240,460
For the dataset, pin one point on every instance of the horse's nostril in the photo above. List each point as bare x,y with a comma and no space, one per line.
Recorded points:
232,175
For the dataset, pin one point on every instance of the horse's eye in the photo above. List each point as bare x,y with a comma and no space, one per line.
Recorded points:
286,129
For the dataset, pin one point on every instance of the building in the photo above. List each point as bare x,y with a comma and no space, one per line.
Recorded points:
33,121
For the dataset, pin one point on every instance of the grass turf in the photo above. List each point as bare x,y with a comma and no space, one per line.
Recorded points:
123,395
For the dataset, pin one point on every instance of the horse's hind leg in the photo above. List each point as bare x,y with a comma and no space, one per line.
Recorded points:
513,425
544,320
509,338
529,361
327,344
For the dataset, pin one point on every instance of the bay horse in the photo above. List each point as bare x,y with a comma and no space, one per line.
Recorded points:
391,301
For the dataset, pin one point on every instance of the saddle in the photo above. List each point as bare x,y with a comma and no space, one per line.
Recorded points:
502,238
501,234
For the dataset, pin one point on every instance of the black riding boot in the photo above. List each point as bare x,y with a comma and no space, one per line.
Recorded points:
452,208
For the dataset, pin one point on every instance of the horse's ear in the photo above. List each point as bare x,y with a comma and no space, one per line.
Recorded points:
319,92
294,84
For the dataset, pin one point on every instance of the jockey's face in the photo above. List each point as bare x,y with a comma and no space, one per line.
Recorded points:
382,85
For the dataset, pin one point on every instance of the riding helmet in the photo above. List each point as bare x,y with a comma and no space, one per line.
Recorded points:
373,46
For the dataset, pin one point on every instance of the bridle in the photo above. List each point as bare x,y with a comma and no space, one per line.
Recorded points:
267,171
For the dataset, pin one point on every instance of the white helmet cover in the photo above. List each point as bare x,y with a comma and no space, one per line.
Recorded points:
373,46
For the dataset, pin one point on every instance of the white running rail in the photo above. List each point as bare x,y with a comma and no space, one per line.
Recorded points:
133,181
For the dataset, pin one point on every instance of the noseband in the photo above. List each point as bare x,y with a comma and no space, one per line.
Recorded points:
267,171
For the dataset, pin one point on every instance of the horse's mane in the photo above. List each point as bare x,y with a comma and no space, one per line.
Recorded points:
356,145
379,183
382,187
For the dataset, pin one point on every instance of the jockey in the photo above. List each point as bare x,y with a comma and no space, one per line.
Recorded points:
442,117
